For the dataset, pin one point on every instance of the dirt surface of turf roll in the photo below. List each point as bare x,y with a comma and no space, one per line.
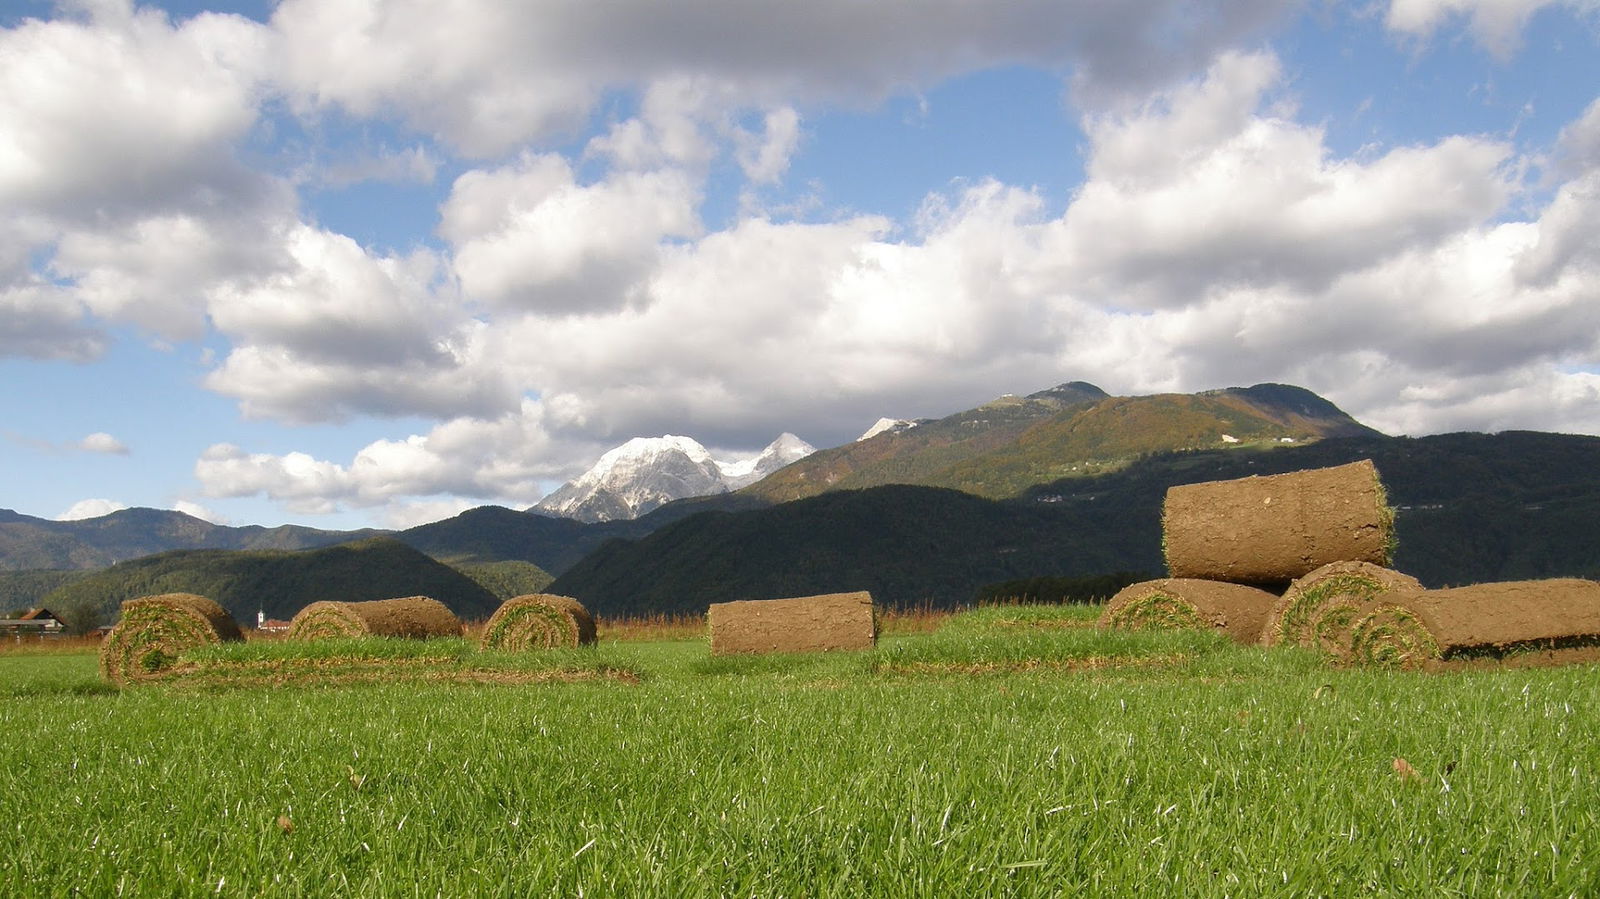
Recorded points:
1272,529
1317,610
1237,610
1420,628
415,617
538,621
155,630
800,624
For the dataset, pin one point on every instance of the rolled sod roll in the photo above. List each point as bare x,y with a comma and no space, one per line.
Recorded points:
1235,609
417,617
1317,610
1273,529
800,624
1410,629
156,630
538,621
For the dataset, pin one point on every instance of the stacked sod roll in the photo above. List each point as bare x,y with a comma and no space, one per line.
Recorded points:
1318,609
1418,628
1237,610
416,617
538,621
1269,530
156,630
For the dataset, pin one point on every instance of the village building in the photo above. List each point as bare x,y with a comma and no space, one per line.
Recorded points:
34,624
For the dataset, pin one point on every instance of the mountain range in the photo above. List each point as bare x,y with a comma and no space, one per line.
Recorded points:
1064,482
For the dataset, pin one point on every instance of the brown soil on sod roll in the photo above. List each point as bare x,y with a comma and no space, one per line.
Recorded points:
1235,609
538,621
1421,628
417,617
1318,609
1273,529
156,630
801,624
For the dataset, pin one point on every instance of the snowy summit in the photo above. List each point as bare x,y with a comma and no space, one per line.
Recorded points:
648,472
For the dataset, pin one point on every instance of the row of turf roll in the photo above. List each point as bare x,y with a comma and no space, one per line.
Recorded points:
155,631
1302,559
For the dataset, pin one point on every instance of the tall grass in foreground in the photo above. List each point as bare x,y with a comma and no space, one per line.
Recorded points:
1228,771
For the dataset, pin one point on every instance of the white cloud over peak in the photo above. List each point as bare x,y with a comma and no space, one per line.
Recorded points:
90,508
198,511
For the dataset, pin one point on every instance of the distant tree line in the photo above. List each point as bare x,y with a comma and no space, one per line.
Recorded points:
1059,590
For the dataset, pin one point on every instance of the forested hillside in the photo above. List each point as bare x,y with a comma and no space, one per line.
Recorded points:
277,583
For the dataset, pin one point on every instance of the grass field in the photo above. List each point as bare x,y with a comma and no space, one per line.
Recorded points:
1011,752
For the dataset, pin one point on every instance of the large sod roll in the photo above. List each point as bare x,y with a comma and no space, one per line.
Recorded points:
801,624
1318,609
1412,629
156,630
417,617
538,621
1234,609
1273,529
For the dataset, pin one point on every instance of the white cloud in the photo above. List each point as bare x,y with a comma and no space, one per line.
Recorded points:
1578,148
400,516
1200,193
416,164
528,236
103,443
118,166
157,271
333,302
765,157
41,321
125,109
340,332
509,458
90,508
505,73
198,511
1497,24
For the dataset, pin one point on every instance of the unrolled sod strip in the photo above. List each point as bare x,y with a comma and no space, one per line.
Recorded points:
1273,529
156,630
416,617
1411,629
1235,609
1318,609
538,621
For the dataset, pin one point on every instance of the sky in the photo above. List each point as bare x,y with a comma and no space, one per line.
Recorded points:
351,263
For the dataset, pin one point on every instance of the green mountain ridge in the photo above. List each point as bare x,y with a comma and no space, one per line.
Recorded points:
29,543
1006,446
278,583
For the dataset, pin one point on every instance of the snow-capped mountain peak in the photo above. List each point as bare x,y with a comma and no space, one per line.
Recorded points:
786,449
886,426
648,472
